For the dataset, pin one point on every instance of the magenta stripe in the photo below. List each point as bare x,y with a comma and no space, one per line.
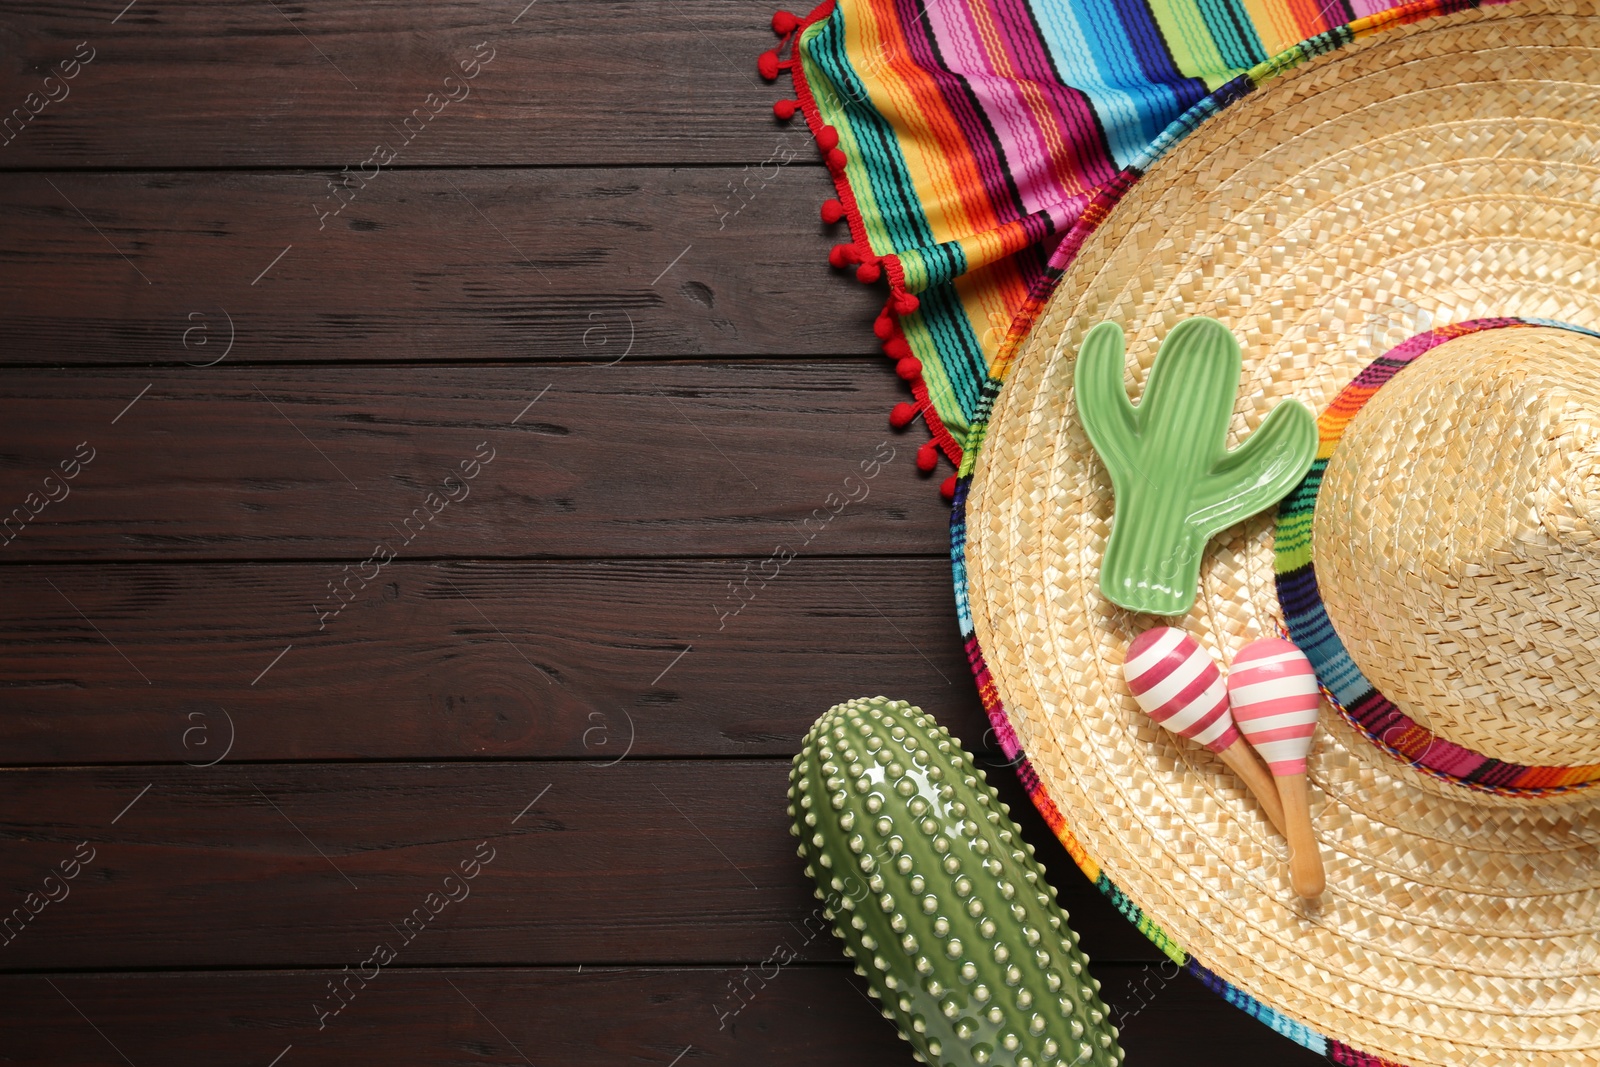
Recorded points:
1188,695
974,130
1229,736
1000,98
1452,759
1159,670
1204,723
1091,162
1261,709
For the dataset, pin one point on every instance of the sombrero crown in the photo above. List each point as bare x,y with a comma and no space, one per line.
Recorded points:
1455,544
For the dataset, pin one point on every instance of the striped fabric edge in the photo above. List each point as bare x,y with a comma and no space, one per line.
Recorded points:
1307,624
1099,209
791,29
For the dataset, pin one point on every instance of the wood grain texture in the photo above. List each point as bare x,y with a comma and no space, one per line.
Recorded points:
629,460
212,84
795,1016
274,865
459,265
580,660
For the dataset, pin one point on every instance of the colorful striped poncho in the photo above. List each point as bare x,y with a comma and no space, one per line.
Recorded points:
967,138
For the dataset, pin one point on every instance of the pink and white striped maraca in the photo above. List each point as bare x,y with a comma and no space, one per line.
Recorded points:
1273,691
1178,685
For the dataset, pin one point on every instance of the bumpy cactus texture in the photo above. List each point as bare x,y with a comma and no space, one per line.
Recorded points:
1175,482
938,899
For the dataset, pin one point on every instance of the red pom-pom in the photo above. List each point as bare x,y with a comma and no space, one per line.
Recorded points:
784,109
883,325
904,303
947,488
927,457
836,160
784,22
767,65
827,138
832,211
896,348
842,256
869,272
901,414
909,368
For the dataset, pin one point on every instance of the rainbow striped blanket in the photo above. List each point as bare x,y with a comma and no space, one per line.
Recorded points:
969,141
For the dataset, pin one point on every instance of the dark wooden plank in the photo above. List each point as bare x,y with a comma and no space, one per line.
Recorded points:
466,265
805,1015
203,83
799,1015
466,660
629,460
314,864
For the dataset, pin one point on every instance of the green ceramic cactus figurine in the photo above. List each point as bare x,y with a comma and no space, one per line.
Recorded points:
1175,483
937,898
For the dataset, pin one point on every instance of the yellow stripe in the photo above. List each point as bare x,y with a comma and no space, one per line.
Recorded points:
982,296
1274,25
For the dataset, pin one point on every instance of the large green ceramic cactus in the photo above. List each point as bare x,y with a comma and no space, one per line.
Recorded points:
1176,485
936,897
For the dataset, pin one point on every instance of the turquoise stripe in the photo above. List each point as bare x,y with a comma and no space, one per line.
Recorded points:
1336,669
964,624
1299,1033
1107,62
1125,103
1561,326
1233,33
939,263
960,354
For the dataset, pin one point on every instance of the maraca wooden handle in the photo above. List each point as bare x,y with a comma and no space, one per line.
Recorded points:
1305,861
1241,758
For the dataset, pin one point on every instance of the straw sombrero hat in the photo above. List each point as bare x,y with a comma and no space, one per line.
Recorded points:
1404,235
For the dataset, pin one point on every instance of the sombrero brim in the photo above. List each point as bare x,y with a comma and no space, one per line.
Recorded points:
1439,173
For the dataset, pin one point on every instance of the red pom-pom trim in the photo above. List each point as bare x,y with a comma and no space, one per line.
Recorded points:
869,268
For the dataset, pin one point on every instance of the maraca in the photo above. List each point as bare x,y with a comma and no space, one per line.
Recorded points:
1178,685
1273,690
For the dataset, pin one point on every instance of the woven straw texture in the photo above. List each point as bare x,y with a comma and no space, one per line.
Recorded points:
1443,173
1455,538
1538,536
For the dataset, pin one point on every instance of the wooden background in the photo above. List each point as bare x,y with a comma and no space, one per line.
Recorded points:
604,268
